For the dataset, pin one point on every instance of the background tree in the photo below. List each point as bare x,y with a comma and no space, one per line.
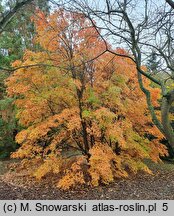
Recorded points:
171,3
7,119
153,63
139,28
17,33
8,14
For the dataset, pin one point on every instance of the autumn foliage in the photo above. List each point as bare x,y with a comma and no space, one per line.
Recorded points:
85,120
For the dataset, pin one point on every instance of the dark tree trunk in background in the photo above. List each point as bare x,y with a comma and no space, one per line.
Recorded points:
165,111
171,3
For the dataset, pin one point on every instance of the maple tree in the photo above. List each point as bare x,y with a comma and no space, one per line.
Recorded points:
141,33
85,120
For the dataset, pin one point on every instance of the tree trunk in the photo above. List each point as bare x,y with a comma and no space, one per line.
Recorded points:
171,3
165,125
83,124
165,111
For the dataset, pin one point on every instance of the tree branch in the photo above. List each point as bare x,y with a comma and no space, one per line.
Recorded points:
9,15
149,104
171,3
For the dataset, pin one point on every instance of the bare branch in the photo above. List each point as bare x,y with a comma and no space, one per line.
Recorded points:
171,3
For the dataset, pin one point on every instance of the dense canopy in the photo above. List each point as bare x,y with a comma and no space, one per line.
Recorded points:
85,119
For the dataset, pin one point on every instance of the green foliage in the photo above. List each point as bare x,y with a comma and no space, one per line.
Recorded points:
153,63
17,37
86,113
19,33
7,143
5,103
8,126
92,99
